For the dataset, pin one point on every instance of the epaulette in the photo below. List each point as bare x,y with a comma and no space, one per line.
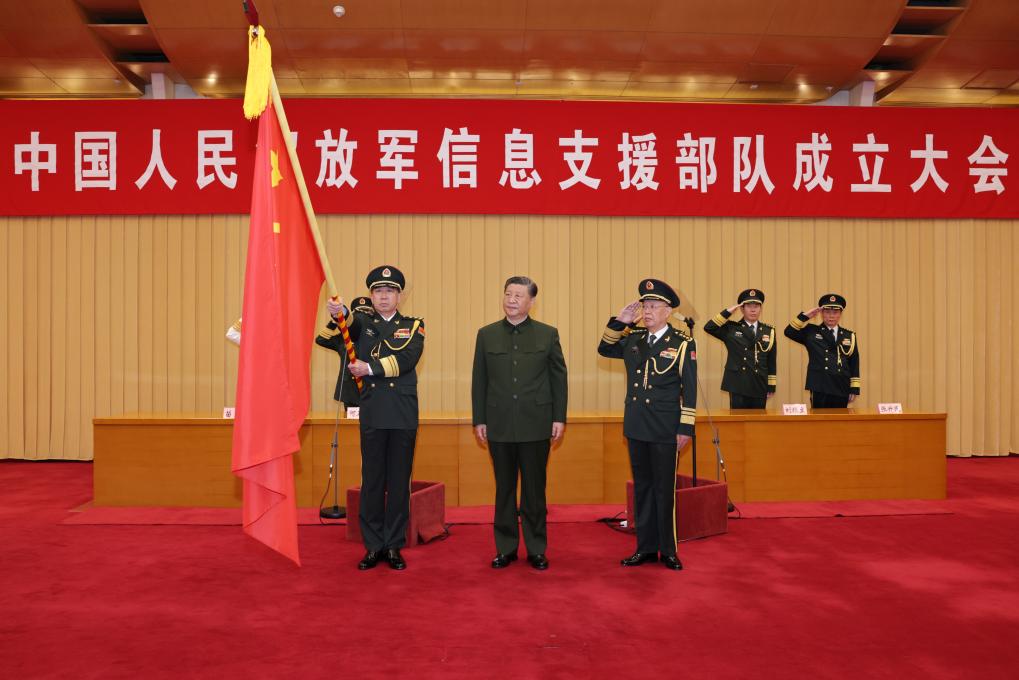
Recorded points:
686,335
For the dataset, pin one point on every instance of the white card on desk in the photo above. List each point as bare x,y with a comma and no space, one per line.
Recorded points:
353,413
889,408
228,413
794,409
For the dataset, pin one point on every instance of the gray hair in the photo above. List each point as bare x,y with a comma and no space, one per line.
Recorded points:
532,287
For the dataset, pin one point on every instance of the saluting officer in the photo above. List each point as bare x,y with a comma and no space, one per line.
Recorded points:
658,419
330,338
518,399
388,346
833,367
750,374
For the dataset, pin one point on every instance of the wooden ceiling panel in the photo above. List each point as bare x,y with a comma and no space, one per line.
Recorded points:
123,38
6,48
30,87
463,69
687,90
570,88
589,15
989,20
360,14
870,19
942,78
455,87
11,67
197,53
106,87
67,42
980,54
995,78
776,92
551,69
713,16
1006,98
511,15
477,45
765,73
686,72
709,47
76,68
938,96
350,68
39,15
376,88
816,50
827,76
367,44
578,48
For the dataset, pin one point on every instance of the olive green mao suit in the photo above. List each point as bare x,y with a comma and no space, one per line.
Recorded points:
518,390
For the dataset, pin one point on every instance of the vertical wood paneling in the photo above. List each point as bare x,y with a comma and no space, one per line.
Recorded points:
111,315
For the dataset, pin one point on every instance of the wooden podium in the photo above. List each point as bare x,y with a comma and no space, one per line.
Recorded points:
184,459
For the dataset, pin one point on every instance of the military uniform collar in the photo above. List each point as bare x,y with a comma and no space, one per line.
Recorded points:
395,319
522,325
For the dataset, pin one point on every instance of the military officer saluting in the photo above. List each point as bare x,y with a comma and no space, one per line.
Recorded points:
658,419
833,368
750,374
388,346
330,338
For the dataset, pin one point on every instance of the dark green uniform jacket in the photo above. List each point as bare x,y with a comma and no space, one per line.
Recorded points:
750,365
519,382
661,381
389,399
833,365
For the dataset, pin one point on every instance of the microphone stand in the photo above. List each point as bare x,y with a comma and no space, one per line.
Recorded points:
720,472
337,511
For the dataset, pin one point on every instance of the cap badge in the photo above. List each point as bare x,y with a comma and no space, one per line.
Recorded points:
831,299
753,293
649,285
387,274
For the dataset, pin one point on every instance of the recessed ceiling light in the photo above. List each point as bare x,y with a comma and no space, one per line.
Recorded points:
339,10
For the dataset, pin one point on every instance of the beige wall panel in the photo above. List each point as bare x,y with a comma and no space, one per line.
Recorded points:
111,315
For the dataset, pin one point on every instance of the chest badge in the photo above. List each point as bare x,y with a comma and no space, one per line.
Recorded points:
401,334
669,353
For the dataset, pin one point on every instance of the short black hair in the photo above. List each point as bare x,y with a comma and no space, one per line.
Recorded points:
532,287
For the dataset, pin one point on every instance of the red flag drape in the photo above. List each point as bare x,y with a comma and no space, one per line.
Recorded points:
282,281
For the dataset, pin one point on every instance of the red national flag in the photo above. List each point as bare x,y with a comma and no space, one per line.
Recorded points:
282,281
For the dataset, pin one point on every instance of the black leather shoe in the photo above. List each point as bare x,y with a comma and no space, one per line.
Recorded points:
539,561
395,560
637,559
371,558
672,562
502,561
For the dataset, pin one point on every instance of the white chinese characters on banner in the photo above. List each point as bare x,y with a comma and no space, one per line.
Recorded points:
638,162
930,171
34,158
519,161
871,178
578,160
745,173
95,160
395,165
335,159
156,163
212,144
459,156
990,177
696,161
812,163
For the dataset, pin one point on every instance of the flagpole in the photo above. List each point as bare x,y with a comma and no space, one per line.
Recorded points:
341,321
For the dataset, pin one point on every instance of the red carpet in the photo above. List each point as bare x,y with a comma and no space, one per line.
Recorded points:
911,596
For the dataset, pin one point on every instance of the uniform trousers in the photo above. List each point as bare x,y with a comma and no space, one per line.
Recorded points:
654,494
529,461
744,401
387,459
823,400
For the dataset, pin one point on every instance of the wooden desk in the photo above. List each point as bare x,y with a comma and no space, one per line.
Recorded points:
184,459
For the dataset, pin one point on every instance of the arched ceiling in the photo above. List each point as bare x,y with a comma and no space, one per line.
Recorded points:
917,52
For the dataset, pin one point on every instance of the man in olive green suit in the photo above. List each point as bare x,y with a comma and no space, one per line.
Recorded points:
518,394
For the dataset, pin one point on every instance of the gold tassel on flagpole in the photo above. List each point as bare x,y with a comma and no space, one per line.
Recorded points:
256,91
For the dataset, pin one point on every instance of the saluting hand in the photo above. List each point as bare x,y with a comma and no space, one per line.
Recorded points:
734,308
628,314
813,312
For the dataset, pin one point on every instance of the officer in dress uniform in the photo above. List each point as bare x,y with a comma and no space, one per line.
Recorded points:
658,419
330,338
750,376
833,367
388,346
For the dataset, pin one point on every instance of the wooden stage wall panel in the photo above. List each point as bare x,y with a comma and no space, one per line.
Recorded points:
185,461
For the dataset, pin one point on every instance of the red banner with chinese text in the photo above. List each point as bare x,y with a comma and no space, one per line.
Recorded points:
517,157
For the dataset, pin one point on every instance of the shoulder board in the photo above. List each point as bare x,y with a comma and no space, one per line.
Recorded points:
683,334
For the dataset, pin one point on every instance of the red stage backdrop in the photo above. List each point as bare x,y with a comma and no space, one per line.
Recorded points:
518,157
